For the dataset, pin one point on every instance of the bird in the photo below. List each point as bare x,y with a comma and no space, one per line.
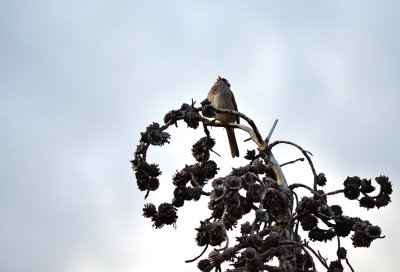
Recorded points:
221,96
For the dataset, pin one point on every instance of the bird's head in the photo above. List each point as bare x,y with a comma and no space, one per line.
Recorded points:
220,79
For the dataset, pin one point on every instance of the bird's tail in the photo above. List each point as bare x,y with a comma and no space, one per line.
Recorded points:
232,142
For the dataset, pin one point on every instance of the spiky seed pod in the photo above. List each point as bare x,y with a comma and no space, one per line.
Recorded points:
256,240
201,155
195,169
218,183
261,215
329,235
325,212
234,212
309,222
200,150
142,181
210,169
321,179
335,266
149,210
382,200
178,201
366,186
181,178
153,184
351,191
341,253
367,202
358,223
173,116
343,225
240,171
232,182
186,107
254,194
152,169
196,193
166,215
247,181
188,193
204,265
360,239
215,197
250,254
208,111
229,253
205,102
154,135
250,155
317,234
259,165
307,205
192,119
272,240
386,185
179,191
198,178
215,258
337,210
352,181
245,204
245,228
217,233
373,232
202,237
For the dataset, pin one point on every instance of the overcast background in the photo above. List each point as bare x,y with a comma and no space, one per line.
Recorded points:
81,79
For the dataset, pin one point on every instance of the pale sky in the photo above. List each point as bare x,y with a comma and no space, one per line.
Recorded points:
81,79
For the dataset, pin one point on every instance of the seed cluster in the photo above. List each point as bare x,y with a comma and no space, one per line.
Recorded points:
253,189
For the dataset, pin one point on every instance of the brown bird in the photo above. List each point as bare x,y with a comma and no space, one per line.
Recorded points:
222,97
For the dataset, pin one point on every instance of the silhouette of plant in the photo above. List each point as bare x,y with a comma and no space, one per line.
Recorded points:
260,188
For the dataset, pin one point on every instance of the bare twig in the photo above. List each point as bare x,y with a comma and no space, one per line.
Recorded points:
249,121
296,185
271,131
348,263
333,193
290,162
322,260
311,259
215,152
201,254
305,153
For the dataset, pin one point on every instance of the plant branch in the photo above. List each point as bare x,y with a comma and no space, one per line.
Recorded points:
290,162
305,153
201,254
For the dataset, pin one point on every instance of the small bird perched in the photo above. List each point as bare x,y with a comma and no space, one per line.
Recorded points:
222,97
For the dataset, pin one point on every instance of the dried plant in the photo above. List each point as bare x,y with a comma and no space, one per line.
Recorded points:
260,188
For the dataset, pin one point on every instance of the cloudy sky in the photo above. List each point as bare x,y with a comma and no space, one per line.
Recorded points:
81,79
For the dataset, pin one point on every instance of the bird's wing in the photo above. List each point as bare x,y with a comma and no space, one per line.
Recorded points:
235,107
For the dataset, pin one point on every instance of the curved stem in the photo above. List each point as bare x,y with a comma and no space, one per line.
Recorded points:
305,153
201,254
296,185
